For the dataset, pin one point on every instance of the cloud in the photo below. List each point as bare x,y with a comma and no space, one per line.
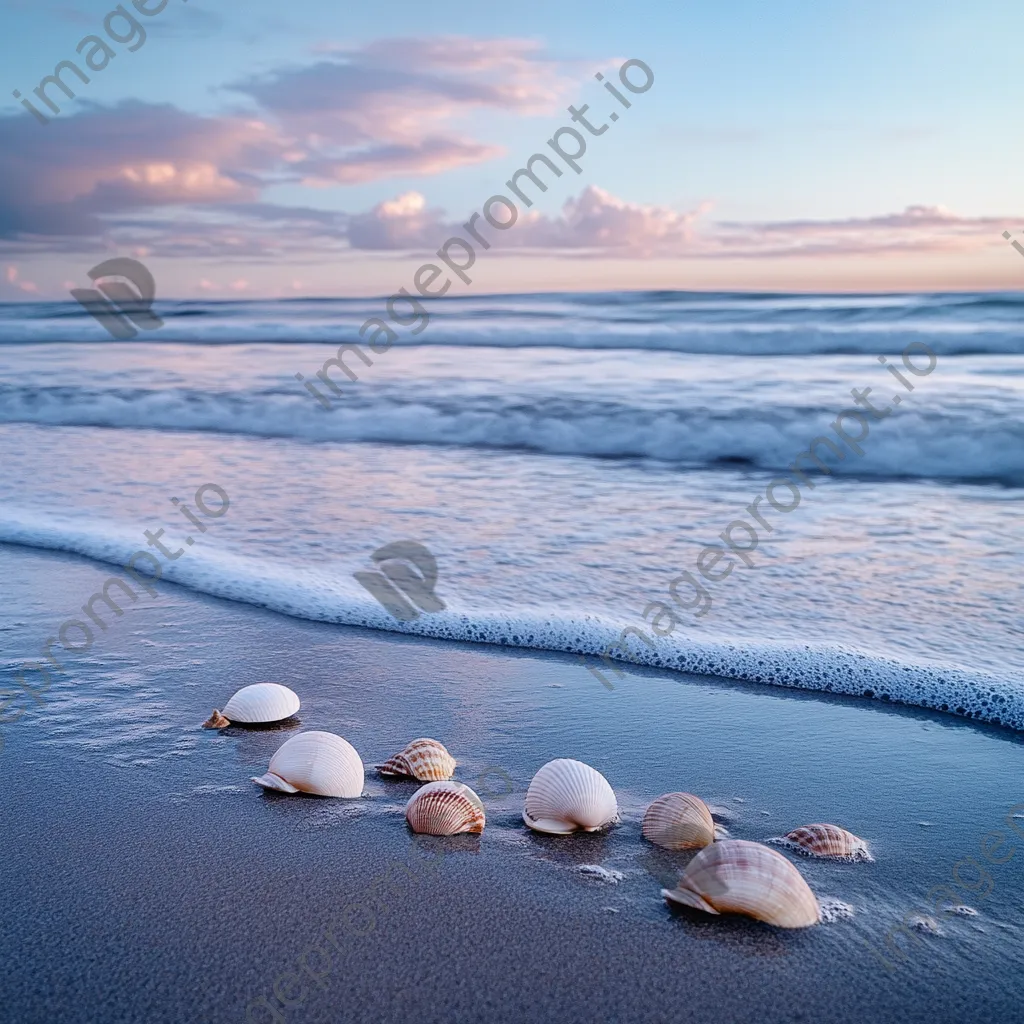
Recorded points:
135,156
12,275
390,108
429,156
596,223
916,229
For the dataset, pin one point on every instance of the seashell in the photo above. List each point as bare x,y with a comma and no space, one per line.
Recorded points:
256,704
423,759
315,762
445,809
825,841
740,877
567,795
679,821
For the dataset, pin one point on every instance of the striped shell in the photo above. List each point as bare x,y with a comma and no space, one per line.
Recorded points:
315,762
739,877
445,809
825,841
679,821
567,795
423,759
261,702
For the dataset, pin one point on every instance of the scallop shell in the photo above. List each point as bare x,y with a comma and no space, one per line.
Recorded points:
740,877
567,795
445,809
423,759
825,841
257,704
315,762
679,821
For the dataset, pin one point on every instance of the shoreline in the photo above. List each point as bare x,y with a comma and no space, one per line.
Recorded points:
213,889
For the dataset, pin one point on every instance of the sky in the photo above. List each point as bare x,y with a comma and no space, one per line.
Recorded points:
261,149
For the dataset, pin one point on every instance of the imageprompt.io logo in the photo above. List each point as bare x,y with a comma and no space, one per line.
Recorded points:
403,591
124,303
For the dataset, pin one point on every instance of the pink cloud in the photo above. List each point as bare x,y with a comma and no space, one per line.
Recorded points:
25,286
430,156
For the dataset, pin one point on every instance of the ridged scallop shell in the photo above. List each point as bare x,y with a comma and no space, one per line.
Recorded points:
423,759
315,762
567,795
739,877
261,702
679,821
445,809
825,841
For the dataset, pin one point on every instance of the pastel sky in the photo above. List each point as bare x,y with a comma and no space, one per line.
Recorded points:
318,148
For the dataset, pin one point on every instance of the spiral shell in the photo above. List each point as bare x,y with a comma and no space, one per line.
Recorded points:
256,704
423,759
567,795
679,821
315,762
739,877
445,809
829,841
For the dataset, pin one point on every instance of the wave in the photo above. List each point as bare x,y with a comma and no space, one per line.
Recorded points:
702,323
322,596
914,443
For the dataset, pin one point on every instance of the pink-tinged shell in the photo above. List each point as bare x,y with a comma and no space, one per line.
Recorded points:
739,877
445,809
829,841
315,762
679,821
423,759
567,795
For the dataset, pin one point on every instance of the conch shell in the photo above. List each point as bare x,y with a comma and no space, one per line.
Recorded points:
679,821
739,877
315,762
829,841
256,704
423,759
567,795
445,809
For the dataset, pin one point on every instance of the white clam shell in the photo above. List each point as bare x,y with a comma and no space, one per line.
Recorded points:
424,759
740,877
261,702
315,762
679,821
567,795
445,809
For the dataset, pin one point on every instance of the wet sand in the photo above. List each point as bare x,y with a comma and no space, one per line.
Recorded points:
146,879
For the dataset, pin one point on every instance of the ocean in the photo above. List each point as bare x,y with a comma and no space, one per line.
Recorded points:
564,458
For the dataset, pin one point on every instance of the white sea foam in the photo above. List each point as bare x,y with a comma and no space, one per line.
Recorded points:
322,595
724,429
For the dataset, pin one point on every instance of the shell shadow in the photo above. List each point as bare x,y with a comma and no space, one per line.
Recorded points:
240,728
441,846
574,849
735,932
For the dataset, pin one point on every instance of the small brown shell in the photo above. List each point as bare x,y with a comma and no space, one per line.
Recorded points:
679,821
739,877
445,809
216,721
423,759
829,841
